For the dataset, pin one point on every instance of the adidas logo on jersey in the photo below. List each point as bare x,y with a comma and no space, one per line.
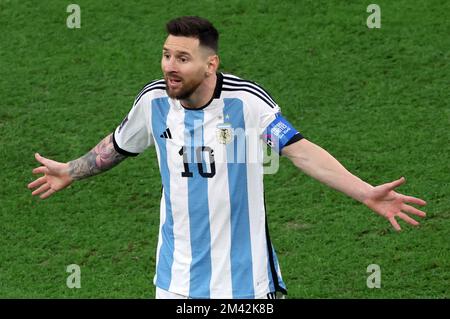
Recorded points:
166,134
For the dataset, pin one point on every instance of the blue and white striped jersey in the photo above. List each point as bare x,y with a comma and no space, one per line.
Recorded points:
213,239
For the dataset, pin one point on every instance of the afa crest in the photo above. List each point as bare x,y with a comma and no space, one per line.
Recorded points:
224,133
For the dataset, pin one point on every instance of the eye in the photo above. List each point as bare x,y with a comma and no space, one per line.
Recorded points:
166,56
183,59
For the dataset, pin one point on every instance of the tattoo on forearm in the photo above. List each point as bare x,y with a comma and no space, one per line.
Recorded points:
101,158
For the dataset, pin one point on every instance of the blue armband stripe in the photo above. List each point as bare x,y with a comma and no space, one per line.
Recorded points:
279,133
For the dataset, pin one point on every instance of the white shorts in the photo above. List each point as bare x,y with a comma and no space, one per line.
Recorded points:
164,294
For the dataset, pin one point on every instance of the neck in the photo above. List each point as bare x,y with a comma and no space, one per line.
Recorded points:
202,95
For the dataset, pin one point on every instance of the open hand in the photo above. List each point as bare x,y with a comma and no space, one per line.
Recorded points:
386,202
56,177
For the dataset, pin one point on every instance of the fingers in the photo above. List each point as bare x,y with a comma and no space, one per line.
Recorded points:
44,188
41,189
41,159
44,161
413,210
47,194
40,170
413,200
395,224
396,183
41,180
408,219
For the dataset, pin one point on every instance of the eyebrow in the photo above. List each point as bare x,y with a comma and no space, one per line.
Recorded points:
178,52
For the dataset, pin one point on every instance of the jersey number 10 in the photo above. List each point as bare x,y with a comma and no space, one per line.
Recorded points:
199,152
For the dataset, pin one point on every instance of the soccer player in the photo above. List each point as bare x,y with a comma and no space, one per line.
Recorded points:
210,130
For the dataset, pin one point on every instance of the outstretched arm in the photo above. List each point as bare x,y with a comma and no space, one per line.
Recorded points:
382,199
100,159
58,175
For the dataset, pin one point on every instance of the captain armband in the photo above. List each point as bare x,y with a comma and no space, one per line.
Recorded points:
280,133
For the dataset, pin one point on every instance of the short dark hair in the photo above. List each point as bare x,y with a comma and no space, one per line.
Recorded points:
195,27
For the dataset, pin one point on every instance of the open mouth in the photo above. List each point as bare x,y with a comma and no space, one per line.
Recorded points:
174,82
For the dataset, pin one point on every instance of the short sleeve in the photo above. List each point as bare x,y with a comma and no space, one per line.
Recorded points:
133,135
267,115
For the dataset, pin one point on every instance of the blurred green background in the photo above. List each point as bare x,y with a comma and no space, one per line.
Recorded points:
377,99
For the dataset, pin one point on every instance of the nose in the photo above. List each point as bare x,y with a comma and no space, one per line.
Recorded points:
168,65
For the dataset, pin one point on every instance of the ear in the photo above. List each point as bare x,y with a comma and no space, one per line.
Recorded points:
213,64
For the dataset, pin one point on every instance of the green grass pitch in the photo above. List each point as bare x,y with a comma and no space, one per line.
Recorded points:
377,99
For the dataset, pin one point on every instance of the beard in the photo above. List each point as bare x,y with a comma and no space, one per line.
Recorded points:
185,90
